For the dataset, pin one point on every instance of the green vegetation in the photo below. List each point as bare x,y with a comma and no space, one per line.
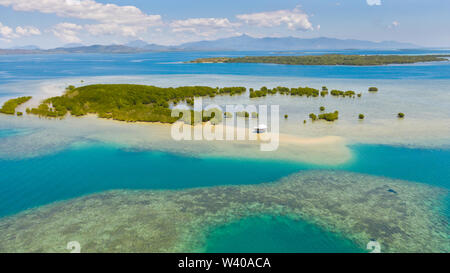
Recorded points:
227,91
328,59
213,115
228,115
243,114
373,89
126,102
300,91
133,103
212,60
339,93
10,106
359,95
329,116
304,121
325,116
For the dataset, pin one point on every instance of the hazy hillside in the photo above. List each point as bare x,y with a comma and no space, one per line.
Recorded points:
239,43
246,42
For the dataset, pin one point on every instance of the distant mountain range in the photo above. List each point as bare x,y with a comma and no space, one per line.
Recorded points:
238,43
247,43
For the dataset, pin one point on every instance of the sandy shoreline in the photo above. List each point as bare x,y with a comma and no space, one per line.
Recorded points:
50,135
427,122
320,143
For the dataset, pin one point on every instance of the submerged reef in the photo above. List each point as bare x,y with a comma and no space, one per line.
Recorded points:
358,207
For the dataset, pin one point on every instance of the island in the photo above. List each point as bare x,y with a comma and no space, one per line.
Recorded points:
126,102
325,116
146,103
10,106
300,91
329,59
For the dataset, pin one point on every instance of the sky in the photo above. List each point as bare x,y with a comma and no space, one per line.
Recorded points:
52,23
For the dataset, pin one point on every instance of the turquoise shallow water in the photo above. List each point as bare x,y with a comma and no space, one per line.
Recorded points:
13,132
79,171
277,234
429,166
94,168
267,234
97,167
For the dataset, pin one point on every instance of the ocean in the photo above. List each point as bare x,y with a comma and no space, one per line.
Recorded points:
93,167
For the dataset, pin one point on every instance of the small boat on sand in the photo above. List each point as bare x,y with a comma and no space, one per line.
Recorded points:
260,129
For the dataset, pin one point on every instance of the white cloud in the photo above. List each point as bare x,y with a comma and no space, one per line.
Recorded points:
294,19
373,2
7,33
203,26
86,9
110,18
27,31
67,32
203,22
115,29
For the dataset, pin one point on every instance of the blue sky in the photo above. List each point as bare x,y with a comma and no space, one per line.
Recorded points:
53,23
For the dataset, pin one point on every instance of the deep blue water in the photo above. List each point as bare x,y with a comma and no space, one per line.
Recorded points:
83,170
15,68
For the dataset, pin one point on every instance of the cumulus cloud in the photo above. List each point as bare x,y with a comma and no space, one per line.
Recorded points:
67,32
373,2
27,31
113,29
206,22
8,33
203,26
110,18
294,19
86,9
